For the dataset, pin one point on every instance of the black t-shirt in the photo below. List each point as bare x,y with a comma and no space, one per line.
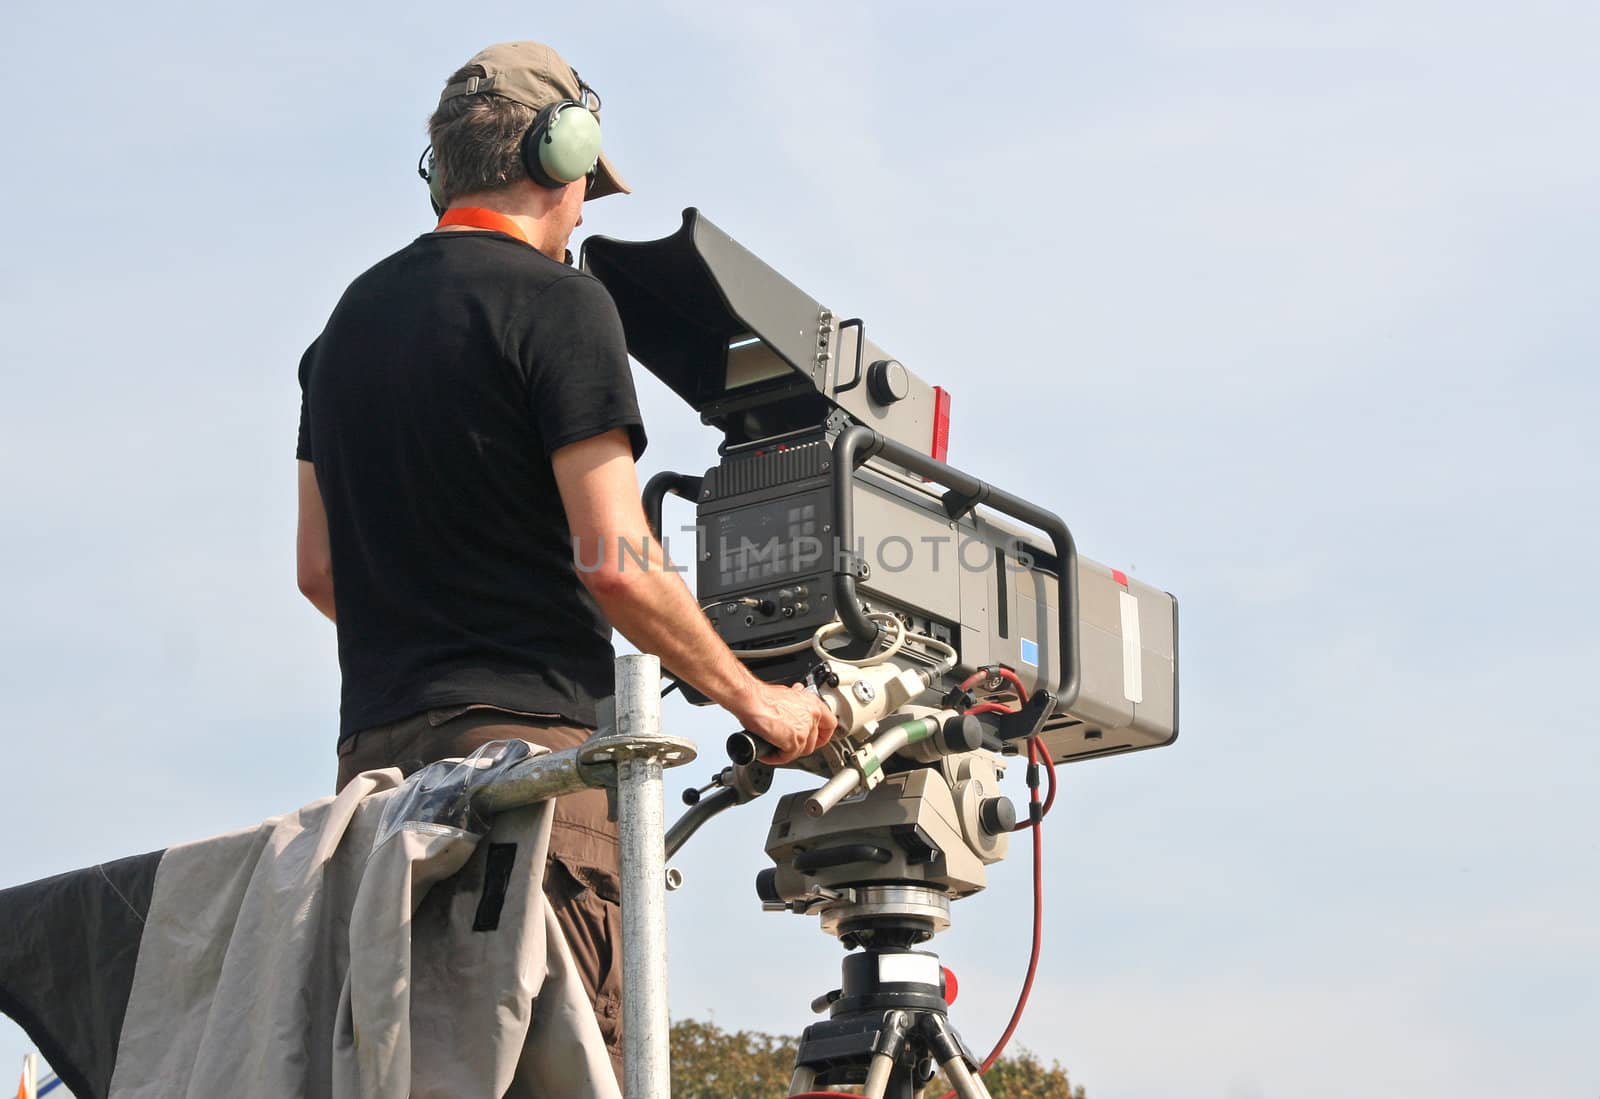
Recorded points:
431,403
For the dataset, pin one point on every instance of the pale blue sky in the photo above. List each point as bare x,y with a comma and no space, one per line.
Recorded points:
1288,310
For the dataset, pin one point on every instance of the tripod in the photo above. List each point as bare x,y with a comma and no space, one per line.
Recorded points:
888,1023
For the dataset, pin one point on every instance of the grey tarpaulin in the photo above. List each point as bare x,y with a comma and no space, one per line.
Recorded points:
380,944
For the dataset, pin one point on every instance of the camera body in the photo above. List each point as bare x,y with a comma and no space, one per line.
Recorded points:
831,499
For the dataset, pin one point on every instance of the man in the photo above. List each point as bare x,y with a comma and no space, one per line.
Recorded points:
468,423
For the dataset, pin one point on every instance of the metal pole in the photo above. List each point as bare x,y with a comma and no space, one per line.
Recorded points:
640,750
645,1020
538,778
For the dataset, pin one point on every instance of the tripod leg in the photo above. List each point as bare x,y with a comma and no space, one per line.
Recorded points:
966,1085
878,1075
802,1081
896,1026
953,1057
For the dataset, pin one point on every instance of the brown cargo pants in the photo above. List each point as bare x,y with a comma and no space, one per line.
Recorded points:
581,881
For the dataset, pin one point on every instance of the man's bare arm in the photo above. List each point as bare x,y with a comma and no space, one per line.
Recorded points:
655,609
312,558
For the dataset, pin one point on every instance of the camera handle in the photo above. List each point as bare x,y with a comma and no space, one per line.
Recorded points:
964,492
659,487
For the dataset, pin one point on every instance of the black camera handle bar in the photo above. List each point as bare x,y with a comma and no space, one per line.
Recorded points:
964,492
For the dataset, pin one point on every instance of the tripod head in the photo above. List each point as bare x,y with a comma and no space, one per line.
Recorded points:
894,856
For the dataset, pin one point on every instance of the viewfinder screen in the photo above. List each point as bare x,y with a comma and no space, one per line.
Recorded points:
751,361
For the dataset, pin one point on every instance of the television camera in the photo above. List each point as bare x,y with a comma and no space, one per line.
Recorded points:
947,623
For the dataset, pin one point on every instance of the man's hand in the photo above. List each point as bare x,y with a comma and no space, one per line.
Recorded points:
792,720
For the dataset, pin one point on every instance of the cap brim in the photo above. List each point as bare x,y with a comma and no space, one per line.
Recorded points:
606,181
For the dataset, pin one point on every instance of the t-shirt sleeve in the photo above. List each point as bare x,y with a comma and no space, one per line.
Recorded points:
576,361
302,449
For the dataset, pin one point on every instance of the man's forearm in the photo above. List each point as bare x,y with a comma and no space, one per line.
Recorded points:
652,606
655,610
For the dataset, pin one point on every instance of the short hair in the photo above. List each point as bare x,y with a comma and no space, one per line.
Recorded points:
477,140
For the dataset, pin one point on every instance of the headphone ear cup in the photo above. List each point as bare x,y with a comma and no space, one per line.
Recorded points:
562,145
530,148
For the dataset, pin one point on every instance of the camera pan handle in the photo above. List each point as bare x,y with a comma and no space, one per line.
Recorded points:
659,487
857,444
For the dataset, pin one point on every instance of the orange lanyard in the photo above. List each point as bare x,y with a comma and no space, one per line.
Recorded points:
477,217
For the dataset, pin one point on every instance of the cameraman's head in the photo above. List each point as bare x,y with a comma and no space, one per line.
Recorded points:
517,131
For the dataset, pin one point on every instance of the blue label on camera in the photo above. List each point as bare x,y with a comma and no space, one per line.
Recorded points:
1030,652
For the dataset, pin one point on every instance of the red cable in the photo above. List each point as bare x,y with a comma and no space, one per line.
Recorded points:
1049,769
1002,708
1044,756
1022,692
1050,772
1004,673
1038,926
989,708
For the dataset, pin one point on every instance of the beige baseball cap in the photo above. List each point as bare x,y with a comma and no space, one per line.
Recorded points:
534,75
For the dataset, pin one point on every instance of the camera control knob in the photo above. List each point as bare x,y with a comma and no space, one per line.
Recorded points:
961,733
997,815
888,381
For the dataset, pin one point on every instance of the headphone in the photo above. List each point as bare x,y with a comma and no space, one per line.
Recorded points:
561,147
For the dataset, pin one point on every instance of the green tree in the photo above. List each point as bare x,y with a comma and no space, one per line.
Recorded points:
1021,1075
711,1063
